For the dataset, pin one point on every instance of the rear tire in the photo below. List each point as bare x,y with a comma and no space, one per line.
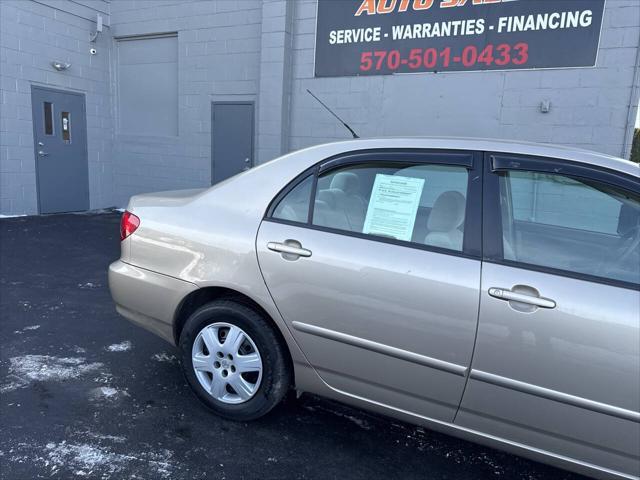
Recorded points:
203,342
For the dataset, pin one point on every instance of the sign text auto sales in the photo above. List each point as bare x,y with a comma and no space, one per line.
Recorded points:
373,37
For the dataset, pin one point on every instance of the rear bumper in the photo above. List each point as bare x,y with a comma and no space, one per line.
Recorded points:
147,298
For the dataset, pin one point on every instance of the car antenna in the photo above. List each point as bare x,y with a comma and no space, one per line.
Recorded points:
355,135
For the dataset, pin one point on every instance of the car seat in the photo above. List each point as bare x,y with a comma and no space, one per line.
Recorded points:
445,220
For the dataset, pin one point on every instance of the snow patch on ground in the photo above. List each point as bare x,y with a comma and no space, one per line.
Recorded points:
96,460
107,393
26,329
103,438
164,357
88,460
103,377
26,369
120,347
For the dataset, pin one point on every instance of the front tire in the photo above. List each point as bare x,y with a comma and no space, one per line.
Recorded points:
233,360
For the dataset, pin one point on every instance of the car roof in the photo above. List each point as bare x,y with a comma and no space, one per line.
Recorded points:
490,145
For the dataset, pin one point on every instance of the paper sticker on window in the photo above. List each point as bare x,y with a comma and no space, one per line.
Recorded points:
393,206
66,126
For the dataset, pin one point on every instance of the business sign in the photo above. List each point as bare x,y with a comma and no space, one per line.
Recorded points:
378,37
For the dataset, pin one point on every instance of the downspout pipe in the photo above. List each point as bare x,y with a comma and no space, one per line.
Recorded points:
633,104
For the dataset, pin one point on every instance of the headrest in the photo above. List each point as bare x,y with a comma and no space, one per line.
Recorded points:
327,197
348,182
447,213
629,218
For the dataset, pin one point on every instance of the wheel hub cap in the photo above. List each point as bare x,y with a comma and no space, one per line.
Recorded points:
227,363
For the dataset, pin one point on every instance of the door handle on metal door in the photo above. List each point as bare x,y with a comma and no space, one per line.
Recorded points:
508,295
288,248
42,153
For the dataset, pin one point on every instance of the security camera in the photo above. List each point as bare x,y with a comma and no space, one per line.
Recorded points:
93,51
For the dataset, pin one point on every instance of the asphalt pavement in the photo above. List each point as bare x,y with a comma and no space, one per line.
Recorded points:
85,394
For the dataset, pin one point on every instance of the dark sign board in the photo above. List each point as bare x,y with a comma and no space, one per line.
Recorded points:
374,37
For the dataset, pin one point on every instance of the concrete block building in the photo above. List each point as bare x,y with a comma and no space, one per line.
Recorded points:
101,100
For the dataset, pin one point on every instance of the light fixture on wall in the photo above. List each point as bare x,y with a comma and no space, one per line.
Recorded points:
545,106
60,66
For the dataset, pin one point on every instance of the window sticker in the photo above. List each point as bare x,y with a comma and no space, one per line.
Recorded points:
66,127
393,206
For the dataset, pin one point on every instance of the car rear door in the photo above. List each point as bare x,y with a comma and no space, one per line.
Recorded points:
389,315
557,358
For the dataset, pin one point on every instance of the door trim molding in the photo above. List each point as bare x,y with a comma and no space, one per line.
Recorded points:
383,349
555,395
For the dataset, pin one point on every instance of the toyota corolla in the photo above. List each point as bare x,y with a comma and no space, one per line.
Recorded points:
486,289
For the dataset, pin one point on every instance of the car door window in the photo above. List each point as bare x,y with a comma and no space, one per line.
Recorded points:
419,203
294,206
577,225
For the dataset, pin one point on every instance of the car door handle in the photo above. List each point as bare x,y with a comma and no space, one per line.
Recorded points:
508,295
289,249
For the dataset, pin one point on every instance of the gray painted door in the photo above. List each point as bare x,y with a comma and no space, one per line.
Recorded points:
231,139
60,136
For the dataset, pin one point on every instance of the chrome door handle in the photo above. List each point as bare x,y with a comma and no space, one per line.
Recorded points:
508,295
288,248
42,153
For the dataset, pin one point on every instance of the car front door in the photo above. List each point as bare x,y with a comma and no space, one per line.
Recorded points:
557,359
379,279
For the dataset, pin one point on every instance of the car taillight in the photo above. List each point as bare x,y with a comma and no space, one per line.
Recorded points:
128,224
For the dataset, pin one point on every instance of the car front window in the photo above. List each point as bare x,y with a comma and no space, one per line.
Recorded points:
571,224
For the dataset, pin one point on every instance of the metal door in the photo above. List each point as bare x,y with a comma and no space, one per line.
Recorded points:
60,136
557,358
231,139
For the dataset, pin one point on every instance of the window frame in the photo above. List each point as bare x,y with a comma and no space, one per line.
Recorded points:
471,160
497,163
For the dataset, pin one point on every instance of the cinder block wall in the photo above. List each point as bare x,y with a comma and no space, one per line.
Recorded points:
32,35
218,60
590,107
